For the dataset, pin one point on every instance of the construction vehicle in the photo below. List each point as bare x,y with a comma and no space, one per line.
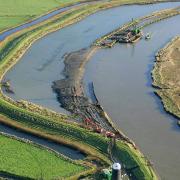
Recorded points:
7,87
110,134
97,128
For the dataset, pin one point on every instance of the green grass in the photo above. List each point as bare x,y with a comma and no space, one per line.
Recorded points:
15,12
126,154
27,160
133,161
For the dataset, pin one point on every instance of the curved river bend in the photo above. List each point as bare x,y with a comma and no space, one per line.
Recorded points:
121,76
40,19
122,80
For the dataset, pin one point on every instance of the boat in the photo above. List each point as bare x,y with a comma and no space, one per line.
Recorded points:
178,123
148,36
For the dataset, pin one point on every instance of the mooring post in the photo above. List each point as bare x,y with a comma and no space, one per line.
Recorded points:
116,171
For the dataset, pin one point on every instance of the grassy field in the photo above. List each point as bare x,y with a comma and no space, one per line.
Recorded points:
14,12
27,160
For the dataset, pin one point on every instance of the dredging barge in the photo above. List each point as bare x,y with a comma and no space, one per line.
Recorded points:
127,36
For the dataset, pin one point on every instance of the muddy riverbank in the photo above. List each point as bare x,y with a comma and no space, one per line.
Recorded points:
166,76
71,95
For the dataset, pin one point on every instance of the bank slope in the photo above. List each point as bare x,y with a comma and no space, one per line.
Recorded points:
166,76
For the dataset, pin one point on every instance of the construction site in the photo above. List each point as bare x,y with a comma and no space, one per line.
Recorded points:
132,31
127,36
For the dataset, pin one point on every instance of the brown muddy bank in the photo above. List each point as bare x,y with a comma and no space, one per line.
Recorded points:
71,95
166,76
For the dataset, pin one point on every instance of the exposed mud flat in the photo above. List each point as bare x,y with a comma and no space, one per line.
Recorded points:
71,95
166,76
70,90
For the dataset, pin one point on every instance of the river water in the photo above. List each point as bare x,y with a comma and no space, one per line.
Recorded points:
121,76
122,80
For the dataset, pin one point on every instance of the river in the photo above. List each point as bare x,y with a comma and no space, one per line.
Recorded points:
43,62
122,80
121,76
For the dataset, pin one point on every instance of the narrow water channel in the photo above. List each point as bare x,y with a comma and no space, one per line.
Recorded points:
123,69
45,17
122,80
65,150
